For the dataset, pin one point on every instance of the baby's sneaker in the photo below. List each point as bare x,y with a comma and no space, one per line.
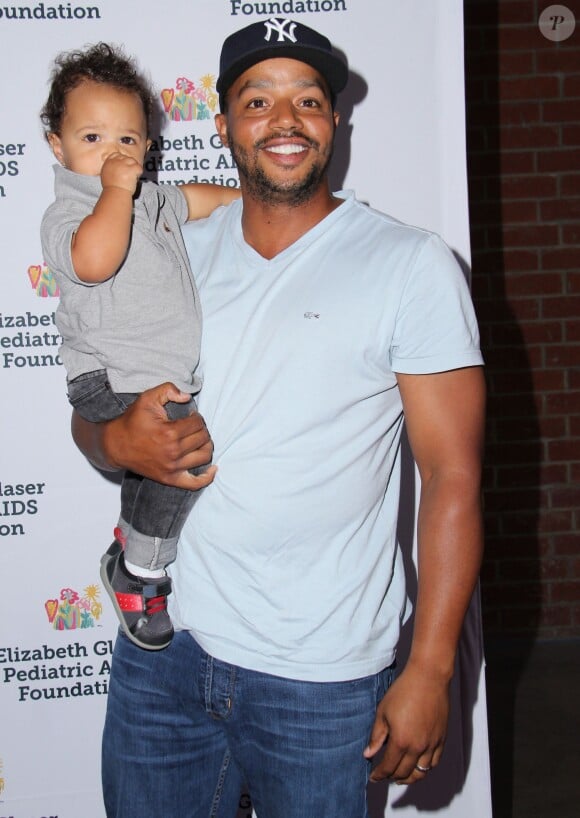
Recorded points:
141,603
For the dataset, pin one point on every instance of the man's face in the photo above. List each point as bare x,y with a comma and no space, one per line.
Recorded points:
279,126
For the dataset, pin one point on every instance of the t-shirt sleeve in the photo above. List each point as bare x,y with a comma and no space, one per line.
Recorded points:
177,201
436,328
56,232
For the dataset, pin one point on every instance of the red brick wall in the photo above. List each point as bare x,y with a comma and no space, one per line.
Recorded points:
523,125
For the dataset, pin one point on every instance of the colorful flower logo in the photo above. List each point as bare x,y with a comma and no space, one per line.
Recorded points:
71,611
43,281
188,101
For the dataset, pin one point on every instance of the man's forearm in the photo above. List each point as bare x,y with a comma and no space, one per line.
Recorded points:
89,439
450,546
413,714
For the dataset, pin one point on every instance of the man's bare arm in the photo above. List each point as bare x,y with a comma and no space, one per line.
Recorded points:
145,441
445,420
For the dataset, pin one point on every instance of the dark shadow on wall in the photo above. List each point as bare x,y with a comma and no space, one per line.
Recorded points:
513,443
355,91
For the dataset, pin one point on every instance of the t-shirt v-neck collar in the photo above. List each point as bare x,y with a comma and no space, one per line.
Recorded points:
254,258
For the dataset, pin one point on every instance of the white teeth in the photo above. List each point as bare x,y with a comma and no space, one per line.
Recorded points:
286,149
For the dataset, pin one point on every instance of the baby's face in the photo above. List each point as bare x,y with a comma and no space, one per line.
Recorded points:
99,120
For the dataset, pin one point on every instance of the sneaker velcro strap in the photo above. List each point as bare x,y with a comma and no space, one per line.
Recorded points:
138,601
129,602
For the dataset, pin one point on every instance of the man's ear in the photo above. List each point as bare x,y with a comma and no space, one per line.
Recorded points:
222,129
56,146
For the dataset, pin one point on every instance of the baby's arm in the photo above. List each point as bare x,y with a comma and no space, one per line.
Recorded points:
100,243
203,199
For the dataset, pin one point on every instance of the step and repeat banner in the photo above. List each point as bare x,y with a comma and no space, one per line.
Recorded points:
400,146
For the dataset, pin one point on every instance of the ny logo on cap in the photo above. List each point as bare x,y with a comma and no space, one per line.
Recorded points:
282,27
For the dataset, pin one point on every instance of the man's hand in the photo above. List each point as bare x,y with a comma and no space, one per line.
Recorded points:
411,724
145,441
120,170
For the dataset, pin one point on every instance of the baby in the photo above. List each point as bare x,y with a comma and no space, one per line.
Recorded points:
129,313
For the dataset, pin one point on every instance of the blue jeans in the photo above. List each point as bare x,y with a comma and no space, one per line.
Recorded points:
184,732
152,514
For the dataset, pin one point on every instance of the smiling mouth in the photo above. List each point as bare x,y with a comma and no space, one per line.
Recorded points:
285,150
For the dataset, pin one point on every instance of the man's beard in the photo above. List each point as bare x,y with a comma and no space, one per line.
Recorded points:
271,191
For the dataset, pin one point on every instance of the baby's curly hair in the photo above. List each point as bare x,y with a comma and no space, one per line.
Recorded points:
102,63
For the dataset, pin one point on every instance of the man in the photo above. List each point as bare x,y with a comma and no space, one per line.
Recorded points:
324,324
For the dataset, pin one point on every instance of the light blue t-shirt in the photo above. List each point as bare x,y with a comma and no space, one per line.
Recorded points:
288,563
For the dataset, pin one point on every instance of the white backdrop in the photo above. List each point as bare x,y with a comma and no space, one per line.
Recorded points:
401,146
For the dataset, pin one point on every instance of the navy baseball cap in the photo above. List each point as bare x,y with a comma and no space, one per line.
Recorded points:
279,37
